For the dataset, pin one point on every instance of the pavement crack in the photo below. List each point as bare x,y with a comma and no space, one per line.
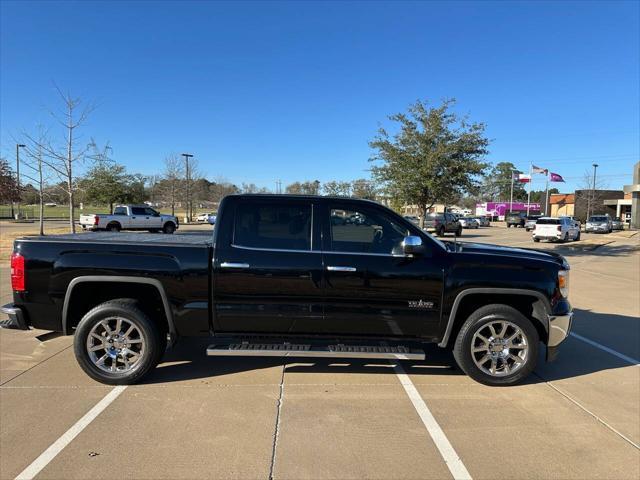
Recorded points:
276,432
589,412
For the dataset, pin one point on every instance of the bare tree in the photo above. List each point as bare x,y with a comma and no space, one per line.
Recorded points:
172,178
64,159
37,169
595,193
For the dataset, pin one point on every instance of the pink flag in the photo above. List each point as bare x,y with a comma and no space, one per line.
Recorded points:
554,177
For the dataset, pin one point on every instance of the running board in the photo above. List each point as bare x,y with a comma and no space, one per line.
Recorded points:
247,349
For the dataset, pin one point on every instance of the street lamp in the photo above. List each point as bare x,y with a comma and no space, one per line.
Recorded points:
187,156
593,201
18,147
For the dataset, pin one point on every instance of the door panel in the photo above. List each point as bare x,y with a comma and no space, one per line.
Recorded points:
267,277
371,287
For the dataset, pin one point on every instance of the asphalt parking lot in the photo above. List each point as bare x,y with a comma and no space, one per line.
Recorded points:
200,417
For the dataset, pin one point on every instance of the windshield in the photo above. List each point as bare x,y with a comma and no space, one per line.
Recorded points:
598,219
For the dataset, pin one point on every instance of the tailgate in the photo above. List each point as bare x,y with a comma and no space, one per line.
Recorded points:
547,230
87,219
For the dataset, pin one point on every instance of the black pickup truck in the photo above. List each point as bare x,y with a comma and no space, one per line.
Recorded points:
282,276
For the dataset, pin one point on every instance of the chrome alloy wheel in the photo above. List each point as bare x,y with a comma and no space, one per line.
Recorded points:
499,348
115,345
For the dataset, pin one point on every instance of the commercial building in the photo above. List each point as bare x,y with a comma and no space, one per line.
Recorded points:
633,190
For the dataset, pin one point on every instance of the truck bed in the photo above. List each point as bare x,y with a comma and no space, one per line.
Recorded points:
191,239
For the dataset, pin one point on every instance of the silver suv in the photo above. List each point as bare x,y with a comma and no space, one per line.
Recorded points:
599,224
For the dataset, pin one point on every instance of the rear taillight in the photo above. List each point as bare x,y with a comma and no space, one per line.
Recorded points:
17,272
96,219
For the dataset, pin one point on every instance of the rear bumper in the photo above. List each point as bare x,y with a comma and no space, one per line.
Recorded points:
17,319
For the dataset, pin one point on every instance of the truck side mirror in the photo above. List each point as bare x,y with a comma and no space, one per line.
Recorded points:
412,245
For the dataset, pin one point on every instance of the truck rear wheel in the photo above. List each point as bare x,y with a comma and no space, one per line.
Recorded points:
497,345
117,344
113,227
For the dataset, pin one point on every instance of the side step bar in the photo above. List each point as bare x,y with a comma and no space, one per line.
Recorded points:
246,349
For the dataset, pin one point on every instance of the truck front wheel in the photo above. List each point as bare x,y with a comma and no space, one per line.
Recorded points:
169,227
117,344
497,345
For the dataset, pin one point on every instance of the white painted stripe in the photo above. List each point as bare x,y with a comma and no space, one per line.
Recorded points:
621,356
451,458
56,447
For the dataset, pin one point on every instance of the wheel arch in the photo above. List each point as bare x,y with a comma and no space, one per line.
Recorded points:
149,283
531,303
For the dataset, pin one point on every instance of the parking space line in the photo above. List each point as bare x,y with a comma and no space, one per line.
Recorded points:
449,455
621,356
56,447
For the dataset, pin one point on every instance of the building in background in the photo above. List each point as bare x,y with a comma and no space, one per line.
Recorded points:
562,204
634,191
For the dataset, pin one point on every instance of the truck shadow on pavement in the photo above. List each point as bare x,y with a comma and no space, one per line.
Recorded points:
187,361
578,249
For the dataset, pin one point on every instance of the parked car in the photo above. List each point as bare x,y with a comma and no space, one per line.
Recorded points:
412,219
599,224
530,224
617,223
278,278
483,220
204,217
515,219
577,222
554,229
130,217
441,223
469,222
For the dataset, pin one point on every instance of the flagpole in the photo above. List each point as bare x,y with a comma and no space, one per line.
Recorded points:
547,210
530,181
511,201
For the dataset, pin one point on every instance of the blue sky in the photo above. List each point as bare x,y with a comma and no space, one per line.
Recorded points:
295,90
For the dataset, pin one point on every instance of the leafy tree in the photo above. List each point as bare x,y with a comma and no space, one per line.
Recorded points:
497,184
109,183
434,157
363,188
8,185
336,188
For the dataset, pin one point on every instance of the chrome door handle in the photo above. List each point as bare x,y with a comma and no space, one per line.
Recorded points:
233,265
340,269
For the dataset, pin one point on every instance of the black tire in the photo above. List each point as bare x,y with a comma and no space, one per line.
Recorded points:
169,228
458,232
565,239
577,237
508,225
114,227
537,240
479,318
155,341
440,232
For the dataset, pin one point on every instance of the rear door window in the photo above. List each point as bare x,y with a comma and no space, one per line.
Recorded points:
273,226
120,211
137,211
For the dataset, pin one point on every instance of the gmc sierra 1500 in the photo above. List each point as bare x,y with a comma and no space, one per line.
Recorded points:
282,276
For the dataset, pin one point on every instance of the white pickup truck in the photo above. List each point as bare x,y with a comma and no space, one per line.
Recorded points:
130,217
556,229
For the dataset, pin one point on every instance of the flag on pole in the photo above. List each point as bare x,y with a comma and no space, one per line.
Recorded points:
535,169
554,177
523,177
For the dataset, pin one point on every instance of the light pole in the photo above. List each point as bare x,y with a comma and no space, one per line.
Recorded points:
593,200
18,147
187,156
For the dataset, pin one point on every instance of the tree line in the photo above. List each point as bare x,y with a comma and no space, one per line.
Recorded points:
425,156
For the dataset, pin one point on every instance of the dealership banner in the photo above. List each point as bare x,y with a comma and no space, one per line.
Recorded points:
500,209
